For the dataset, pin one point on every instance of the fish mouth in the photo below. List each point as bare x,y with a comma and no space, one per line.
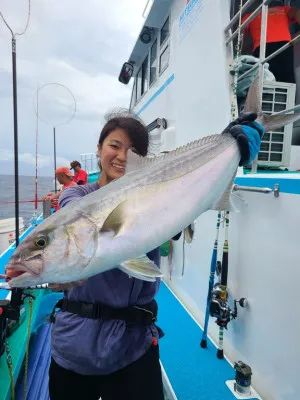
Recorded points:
18,268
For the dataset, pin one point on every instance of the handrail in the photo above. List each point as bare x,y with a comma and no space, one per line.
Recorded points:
243,9
281,49
248,20
274,54
236,16
262,55
255,189
288,110
244,24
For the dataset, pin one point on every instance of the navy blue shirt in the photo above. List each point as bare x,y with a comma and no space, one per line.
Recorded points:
98,347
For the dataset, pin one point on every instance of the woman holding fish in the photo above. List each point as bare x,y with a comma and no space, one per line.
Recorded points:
104,340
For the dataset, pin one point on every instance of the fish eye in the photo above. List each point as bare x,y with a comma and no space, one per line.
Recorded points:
41,242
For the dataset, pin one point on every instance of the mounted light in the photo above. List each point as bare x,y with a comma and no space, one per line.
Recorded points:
146,35
126,73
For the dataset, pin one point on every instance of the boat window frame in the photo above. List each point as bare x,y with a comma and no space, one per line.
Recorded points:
156,61
161,44
164,45
145,77
133,100
162,50
138,95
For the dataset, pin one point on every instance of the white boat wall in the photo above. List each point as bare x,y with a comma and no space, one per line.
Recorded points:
182,75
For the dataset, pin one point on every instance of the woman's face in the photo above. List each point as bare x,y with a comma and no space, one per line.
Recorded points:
113,154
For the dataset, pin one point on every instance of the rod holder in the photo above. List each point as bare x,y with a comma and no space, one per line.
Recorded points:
255,189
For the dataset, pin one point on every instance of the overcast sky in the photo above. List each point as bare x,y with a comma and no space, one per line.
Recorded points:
76,43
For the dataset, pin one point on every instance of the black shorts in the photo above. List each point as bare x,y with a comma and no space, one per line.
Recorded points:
141,380
282,65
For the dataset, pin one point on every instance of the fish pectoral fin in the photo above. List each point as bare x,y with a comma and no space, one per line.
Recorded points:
141,268
115,220
225,203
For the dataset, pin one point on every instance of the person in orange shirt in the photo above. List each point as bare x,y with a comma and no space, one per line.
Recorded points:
278,34
65,178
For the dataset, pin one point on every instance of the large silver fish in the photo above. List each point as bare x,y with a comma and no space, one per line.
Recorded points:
118,224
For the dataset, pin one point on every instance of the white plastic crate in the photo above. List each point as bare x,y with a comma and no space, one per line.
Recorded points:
276,145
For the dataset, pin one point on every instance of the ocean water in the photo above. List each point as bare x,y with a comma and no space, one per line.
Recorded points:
26,192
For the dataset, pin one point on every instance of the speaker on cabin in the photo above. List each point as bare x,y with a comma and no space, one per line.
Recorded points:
146,35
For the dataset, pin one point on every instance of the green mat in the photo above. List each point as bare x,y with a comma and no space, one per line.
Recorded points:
17,344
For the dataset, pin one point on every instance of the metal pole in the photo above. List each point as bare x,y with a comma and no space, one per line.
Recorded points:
262,56
15,107
54,144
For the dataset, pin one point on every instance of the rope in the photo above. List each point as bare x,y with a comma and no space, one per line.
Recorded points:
27,348
10,370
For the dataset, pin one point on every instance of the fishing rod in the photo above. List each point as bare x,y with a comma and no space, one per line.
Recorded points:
10,309
218,307
224,316
33,220
213,264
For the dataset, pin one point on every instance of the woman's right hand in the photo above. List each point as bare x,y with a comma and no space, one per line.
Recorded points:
60,287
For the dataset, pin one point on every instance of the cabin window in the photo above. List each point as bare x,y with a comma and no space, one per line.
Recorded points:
165,31
153,62
164,59
144,86
139,85
133,95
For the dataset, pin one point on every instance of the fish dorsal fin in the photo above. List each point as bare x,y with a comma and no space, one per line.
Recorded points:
115,220
134,162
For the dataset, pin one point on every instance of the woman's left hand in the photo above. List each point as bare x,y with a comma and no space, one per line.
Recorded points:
248,134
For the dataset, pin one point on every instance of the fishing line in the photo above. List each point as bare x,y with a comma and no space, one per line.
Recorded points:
54,121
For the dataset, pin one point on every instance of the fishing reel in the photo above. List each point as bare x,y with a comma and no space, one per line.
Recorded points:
219,307
10,310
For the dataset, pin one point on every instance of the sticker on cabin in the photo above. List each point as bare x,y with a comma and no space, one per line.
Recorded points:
189,16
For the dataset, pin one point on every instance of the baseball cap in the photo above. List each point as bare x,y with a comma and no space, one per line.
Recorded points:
63,170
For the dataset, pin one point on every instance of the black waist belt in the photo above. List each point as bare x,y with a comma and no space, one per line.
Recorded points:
145,314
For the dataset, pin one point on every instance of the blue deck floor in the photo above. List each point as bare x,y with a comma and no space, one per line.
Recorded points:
194,373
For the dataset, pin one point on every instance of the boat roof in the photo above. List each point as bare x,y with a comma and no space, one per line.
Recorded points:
154,20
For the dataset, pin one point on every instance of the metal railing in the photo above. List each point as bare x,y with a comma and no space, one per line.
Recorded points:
263,8
89,162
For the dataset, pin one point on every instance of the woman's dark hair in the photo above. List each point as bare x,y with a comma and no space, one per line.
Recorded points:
132,125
